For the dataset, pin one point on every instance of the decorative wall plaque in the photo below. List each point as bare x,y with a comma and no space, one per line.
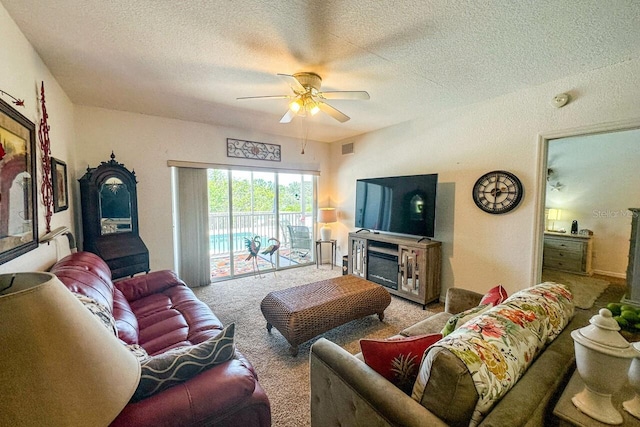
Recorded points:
253,150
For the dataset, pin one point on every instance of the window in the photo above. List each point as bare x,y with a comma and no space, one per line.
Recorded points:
264,208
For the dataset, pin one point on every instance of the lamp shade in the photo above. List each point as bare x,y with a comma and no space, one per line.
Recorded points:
327,215
554,214
60,365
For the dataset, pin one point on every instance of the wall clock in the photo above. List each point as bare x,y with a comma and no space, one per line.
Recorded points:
498,192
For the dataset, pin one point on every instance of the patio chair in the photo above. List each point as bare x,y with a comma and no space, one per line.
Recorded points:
285,234
300,239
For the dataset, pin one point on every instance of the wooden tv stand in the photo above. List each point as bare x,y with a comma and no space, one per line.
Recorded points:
408,267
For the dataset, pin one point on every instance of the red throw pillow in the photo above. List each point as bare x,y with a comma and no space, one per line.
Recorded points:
495,296
397,359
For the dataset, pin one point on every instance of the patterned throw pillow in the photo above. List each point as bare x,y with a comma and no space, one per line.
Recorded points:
496,295
463,317
397,359
498,346
178,365
137,350
100,312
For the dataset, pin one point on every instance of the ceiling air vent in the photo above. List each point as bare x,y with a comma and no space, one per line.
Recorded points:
347,148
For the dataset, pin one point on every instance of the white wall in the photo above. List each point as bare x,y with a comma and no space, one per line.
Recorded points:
479,249
145,144
600,181
21,74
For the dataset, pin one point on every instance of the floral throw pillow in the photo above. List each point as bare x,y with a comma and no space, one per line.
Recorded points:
463,317
397,359
496,295
178,365
498,346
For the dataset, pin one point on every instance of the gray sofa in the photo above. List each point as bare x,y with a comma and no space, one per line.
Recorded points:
346,392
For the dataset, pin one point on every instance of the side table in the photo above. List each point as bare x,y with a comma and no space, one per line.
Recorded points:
319,243
568,415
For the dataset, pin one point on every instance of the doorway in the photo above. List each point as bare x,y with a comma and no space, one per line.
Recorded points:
588,176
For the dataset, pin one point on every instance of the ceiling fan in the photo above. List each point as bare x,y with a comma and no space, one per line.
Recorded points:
308,99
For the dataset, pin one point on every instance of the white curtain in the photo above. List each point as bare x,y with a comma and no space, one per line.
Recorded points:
192,230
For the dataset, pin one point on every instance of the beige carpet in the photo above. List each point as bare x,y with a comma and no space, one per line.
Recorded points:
285,378
585,289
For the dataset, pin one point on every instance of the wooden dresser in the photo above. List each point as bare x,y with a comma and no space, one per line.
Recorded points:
568,252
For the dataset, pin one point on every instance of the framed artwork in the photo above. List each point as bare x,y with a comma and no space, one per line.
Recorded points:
59,183
18,184
253,150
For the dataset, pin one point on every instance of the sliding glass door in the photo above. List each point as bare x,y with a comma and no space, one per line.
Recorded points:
295,214
252,220
259,221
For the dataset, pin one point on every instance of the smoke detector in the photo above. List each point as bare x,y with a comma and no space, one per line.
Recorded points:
560,100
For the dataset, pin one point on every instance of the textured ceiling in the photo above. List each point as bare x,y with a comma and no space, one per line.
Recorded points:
191,59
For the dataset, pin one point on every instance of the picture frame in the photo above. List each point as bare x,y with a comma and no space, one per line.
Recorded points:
60,185
18,184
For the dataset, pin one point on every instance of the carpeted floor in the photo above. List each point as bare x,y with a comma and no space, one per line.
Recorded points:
285,378
585,289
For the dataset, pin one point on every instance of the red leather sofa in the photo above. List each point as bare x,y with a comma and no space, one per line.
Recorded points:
159,312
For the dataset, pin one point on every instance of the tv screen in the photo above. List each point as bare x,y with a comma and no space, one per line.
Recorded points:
398,204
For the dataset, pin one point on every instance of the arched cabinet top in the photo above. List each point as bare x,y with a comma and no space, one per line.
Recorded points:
100,174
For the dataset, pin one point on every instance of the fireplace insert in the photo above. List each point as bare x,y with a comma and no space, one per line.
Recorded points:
383,269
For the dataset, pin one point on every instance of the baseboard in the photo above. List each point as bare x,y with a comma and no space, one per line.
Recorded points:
610,274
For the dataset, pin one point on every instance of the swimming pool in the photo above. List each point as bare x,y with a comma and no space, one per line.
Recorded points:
219,243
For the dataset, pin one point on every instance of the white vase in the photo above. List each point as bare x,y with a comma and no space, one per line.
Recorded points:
633,406
603,358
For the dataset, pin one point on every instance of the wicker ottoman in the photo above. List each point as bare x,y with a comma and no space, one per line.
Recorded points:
303,312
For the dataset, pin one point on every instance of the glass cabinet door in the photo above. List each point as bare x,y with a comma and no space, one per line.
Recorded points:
358,258
409,279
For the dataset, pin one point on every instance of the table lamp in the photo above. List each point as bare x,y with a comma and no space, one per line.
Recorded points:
553,215
326,215
60,365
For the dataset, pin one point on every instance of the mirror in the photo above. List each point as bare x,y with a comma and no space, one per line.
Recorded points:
18,197
115,207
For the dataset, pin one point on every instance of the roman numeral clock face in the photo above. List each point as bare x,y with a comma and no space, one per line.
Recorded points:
498,192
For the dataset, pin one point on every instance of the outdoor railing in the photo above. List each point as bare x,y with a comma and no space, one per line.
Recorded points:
249,225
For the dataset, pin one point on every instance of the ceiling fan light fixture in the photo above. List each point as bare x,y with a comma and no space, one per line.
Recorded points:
295,105
307,99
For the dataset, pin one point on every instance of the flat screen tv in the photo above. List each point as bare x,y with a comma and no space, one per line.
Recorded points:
397,204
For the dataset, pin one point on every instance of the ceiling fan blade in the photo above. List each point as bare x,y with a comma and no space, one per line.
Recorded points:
293,82
265,97
345,94
288,116
338,115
